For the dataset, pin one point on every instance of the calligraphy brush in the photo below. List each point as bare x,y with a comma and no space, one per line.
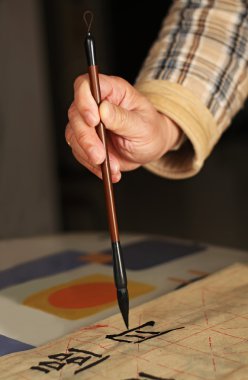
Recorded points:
118,263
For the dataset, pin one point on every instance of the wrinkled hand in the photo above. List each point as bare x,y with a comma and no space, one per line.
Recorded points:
137,132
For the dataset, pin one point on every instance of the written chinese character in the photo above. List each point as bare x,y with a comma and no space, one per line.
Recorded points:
146,376
138,335
74,356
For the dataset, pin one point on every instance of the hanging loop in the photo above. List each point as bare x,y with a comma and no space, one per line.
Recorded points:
88,19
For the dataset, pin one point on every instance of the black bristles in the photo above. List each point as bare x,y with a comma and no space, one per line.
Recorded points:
123,301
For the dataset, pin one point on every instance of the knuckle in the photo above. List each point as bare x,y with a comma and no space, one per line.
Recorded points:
81,93
71,112
123,118
67,134
127,146
78,157
78,81
82,138
78,99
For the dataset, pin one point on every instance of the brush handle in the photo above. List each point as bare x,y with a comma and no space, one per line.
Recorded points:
101,131
105,167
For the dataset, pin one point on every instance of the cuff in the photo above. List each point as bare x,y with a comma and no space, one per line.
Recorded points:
195,120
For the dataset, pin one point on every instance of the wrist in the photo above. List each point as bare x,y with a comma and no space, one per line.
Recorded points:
172,135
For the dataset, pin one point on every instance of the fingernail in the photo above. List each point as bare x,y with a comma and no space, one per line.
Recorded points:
114,167
106,109
95,156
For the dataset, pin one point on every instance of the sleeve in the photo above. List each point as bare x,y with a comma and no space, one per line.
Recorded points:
196,73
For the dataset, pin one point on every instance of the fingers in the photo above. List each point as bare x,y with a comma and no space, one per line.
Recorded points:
119,120
84,116
86,137
84,101
82,157
115,89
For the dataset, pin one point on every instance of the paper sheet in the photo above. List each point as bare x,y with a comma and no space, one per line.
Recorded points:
197,332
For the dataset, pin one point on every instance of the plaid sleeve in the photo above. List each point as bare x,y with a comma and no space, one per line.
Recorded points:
197,74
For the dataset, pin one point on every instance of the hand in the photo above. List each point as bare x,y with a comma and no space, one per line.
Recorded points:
137,132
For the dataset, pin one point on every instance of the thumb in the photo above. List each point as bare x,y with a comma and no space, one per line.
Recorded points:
118,119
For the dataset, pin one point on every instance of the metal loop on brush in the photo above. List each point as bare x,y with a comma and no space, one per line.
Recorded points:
88,19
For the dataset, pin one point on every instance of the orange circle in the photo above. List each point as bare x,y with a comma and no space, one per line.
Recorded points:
83,295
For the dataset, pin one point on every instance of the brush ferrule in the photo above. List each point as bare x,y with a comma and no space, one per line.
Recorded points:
90,49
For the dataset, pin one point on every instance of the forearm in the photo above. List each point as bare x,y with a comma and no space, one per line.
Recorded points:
196,73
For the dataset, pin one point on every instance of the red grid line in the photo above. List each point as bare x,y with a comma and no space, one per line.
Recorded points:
183,372
212,354
195,349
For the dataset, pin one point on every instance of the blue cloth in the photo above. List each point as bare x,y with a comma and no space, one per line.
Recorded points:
149,253
9,345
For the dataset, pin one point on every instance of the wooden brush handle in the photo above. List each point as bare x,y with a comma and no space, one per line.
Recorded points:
106,173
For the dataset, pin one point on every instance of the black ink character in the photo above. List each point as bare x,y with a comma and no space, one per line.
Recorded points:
139,336
146,376
74,356
190,282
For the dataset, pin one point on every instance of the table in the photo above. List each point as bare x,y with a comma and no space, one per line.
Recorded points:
52,285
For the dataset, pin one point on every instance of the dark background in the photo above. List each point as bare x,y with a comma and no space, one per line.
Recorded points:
210,207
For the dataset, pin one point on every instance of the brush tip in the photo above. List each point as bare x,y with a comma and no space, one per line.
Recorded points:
123,301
